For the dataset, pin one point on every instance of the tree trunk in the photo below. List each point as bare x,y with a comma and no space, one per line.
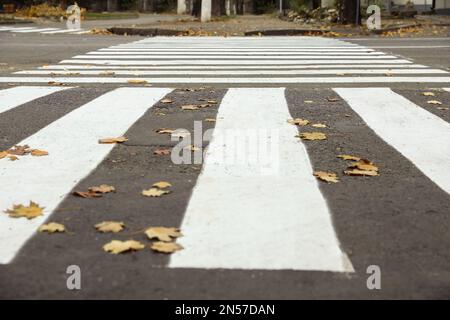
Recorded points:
206,11
350,12
181,7
112,5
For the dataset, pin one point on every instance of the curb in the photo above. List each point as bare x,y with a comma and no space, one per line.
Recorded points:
285,32
148,32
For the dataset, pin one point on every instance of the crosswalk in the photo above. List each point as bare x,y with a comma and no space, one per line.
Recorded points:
236,60
43,30
238,216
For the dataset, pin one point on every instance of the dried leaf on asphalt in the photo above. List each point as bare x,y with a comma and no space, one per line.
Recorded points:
162,185
192,148
349,157
434,102
117,246
210,120
87,194
357,172
312,136
164,131
326,176
332,99
19,150
112,140
165,247
298,122
190,107
163,233
39,153
154,192
137,81
166,100
52,227
428,94
319,125
104,188
31,211
110,226
364,165
308,101
162,152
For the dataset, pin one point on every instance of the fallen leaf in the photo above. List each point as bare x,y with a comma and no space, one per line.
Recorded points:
210,120
165,247
190,107
19,150
162,185
357,172
192,148
52,227
32,211
298,122
363,164
162,152
13,158
164,131
112,140
312,136
332,99
107,73
308,101
163,233
104,188
137,81
319,125
39,153
428,94
3,154
349,157
166,101
154,192
117,246
87,194
110,226
326,176
434,102
55,83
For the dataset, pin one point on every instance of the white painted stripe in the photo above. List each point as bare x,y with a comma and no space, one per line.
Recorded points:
226,57
221,53
409,47
230,80
72,142
237,72
262,67
419,135
173,47
218,49
16,29
447,89
228,62
13,97
81,32
35,30
243,217
61,31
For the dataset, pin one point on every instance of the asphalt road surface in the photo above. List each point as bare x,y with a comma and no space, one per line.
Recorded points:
256,223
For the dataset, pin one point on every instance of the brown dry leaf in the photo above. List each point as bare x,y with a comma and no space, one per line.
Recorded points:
326,176
364,164
13,158
104,188
32,211
428,94
319,125
39,153
87,194
308,101
312,136
162,152
55,83
164,131
332,99
163,233
298,122
166,100
357,172
154,192
162,185
117,246
110,226
210,120
112,140
19,150
190,107
165,247
434,102
192,148
3,154
52,227
137,81
349,157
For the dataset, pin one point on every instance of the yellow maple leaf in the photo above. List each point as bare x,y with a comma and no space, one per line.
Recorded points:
3,154
104,188
298,122
52,227
166,100
110,226
154,192
163,233
162,185
434,102
326,176
428,94
30,212
112,140
137,81
357,172
39,153
319,125
312,136
117,246
364,165
189,107
349,157
165,247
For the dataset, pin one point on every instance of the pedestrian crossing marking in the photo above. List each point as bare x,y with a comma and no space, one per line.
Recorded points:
72,142
42,30
274,60
417,134
240,218
13,97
